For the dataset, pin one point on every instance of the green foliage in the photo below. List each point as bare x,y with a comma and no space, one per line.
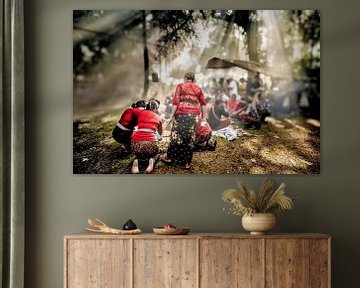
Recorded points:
245,201
308,22
306,25
174,25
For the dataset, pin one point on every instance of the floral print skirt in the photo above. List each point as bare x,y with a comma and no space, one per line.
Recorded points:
144,150
182,138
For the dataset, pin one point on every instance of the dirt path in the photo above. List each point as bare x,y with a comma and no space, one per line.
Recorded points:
282,146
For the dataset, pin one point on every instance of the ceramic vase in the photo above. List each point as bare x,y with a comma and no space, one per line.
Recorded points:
259,223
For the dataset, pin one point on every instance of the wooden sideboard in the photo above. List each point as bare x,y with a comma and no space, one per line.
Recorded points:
197,260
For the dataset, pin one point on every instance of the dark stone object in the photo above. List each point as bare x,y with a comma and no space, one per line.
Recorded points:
129,225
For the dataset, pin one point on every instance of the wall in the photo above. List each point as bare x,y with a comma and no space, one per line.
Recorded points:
58,203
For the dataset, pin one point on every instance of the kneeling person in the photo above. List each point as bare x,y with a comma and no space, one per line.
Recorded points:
144,143
126,124
203,137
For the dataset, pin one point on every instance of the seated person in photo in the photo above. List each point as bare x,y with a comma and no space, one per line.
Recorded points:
203,140
242,89
217,111
144,140
257,84
208,106
232,87
168,107
232,104
247,115
263,108
257,88
126,124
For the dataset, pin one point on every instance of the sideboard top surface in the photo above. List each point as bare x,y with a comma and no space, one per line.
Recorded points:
87,235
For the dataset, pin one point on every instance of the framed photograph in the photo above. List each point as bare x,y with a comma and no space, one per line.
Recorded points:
196,92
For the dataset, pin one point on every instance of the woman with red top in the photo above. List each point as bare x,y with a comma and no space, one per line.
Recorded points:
232,104
188,98
218,117
126,124
248,115
144,142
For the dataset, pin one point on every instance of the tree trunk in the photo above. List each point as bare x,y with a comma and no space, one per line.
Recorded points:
146,59
253,43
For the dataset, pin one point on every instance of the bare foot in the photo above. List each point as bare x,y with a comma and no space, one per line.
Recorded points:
150,168
135,167
187,166
167,160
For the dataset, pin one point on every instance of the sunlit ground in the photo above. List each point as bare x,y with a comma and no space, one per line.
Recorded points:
282,146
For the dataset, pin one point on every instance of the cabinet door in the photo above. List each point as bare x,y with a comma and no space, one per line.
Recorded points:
165,263
98,263
320,263
231,263
296,263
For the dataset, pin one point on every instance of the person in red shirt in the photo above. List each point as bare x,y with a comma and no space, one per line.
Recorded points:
126,124
232,104
144,142
203,137
248,115
188,106
218,117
